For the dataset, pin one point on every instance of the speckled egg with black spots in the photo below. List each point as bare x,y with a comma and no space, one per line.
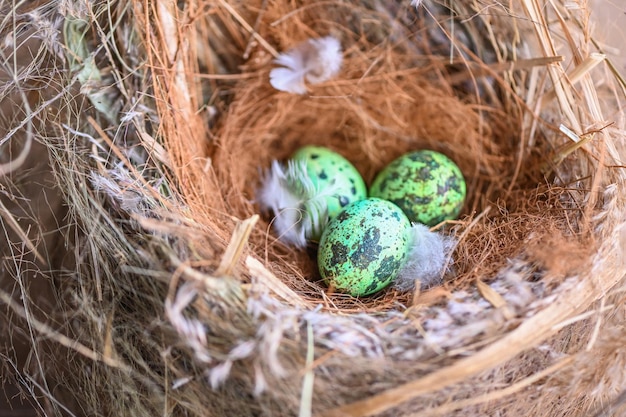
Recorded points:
427,185
334,175
364,247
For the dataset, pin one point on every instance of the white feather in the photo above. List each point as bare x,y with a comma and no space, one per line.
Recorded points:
427,260
315,60
299,207
275,196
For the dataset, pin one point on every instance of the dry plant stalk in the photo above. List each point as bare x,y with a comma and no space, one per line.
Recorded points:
158,122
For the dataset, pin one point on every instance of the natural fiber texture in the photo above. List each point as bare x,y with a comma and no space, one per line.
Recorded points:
173,296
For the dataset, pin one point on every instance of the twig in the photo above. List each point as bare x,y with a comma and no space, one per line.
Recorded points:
13,224
249,28
306,398
563,94
60,338
495,395
236,245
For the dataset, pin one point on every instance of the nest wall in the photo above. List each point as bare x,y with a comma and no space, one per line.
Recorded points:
175,297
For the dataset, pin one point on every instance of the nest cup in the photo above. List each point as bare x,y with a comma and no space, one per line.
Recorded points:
178,296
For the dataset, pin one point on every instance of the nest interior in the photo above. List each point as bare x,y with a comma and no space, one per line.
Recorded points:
173,297
398,92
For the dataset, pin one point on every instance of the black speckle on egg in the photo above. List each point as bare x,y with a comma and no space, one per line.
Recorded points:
340,253
371,239
453,183
425,174
323,175
343,216
343,200
387,266
314,156
327,273
366,251
373,286
422,200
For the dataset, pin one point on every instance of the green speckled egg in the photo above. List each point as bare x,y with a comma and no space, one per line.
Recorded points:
364,247
333,174
427,185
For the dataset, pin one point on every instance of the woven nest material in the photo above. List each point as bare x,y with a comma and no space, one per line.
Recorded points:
151,284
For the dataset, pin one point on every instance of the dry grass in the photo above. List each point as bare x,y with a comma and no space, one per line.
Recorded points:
173,296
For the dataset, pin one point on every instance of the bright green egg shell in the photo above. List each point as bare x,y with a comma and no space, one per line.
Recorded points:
427,185
364,247
328,170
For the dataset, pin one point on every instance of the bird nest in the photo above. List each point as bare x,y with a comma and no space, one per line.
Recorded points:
166,291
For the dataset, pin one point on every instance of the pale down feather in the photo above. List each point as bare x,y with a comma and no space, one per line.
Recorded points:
314,61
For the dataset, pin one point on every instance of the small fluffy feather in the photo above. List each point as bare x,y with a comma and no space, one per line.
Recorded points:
428,258
299,207
315,60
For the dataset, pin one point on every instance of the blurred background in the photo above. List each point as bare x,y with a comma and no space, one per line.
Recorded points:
610,27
